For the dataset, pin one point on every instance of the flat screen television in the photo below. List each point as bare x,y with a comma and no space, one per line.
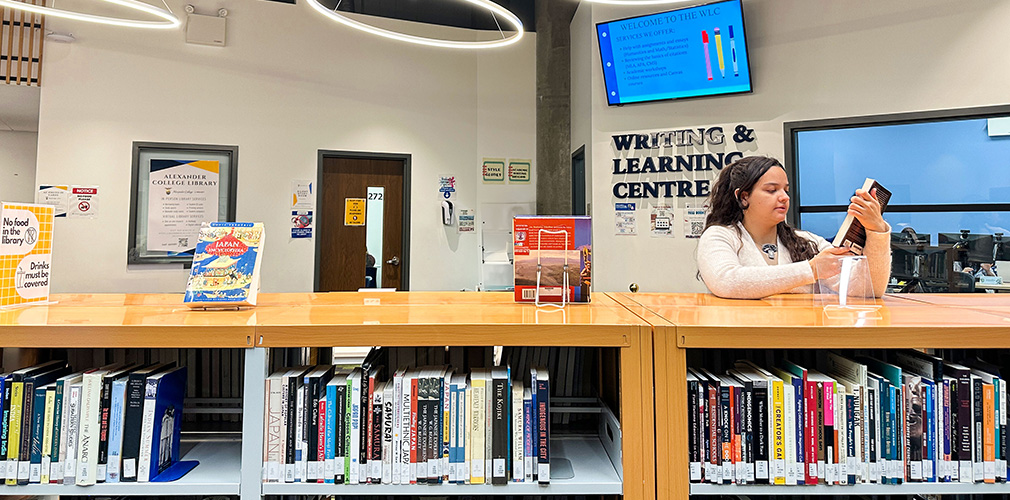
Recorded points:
689,52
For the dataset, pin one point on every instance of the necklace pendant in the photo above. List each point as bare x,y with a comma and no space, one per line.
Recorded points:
770,250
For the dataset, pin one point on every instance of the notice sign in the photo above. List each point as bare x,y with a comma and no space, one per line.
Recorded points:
55,196
354,211
624,221
181,196
493,170
520,171
26,246
301,223
466,220
83,202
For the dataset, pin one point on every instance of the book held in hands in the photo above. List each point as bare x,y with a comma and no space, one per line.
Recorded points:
226,265
852,234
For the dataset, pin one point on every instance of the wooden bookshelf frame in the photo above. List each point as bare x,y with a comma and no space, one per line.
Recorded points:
346,319
701,321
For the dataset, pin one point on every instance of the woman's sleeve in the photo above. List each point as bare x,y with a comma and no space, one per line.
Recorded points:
878,252
724,275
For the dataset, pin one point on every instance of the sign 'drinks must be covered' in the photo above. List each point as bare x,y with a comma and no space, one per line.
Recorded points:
26,247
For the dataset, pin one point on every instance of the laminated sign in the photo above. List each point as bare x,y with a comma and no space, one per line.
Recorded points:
26,247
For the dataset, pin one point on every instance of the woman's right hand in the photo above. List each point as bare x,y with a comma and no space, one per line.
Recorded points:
828,262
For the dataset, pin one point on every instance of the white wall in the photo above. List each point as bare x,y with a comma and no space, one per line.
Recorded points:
288,84
17,165
810,59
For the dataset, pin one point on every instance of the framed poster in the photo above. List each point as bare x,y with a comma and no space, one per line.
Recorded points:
175,188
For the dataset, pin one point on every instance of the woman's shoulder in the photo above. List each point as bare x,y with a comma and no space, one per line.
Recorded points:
721,234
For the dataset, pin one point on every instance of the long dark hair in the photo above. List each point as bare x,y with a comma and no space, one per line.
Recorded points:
726,206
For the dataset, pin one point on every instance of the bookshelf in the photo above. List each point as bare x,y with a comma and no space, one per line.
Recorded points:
617,461
698,321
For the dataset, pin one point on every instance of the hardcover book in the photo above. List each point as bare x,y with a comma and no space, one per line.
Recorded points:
553,254
226,265
161,428
852,234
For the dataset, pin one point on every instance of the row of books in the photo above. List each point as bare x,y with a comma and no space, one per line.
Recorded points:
110,424
352,425
912,418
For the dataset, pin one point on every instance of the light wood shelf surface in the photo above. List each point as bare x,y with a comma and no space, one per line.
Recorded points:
814,322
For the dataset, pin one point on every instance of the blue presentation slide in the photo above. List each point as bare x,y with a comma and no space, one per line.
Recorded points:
682,53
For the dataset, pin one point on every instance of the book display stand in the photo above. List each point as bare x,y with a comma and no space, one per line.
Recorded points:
615,459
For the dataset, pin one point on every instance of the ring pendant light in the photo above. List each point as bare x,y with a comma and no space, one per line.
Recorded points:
433,42
169,19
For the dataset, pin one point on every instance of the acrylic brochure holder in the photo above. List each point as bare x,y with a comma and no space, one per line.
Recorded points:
850,293
565,290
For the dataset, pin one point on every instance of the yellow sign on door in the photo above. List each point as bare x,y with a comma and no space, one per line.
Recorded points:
354,211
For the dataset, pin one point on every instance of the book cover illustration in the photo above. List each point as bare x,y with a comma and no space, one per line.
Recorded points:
852,234
226,264
26,248
552,244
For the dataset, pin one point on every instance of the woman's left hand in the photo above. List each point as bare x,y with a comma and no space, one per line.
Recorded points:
866,208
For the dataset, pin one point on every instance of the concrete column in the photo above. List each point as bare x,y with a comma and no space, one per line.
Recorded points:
554,161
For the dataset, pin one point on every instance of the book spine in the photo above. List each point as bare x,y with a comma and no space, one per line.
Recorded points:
725,440
59,429
499,433
116,415
147,431
5,421
964,424
415,427
778,433
397,449
929,436
37,434
405,433
329,435
453,428
443,427
311,429
365,452
761,437
375,434
988,434
946,432
24,448
48,426
73,429
320,451
435,430
543,431
477,432
274,427
871,417
340,433
978,472
388,406
290,420
800,428
850,438
87,451
103,429
353,452
301,464
132,419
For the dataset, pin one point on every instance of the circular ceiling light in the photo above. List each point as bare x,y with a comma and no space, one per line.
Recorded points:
637,2
169,19
433,42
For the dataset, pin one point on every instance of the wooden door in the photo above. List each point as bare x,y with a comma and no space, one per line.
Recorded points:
342,248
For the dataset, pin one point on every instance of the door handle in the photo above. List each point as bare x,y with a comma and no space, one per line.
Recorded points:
395,261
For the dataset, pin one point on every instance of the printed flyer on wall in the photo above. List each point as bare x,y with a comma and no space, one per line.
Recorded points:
26,247
183,195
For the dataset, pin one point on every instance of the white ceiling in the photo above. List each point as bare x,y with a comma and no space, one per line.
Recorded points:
19,108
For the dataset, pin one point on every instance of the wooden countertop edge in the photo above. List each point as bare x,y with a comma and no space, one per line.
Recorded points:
841,337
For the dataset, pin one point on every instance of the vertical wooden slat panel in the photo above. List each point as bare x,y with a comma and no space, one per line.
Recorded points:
10,43
42,42
21,45
31,48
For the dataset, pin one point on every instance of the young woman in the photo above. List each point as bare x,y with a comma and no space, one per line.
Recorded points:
748,251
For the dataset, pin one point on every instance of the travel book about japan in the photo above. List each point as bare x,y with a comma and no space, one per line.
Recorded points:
226,265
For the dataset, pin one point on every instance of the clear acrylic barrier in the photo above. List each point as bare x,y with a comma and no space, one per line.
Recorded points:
849,294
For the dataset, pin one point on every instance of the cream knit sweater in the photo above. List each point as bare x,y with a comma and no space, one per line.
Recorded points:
733,266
